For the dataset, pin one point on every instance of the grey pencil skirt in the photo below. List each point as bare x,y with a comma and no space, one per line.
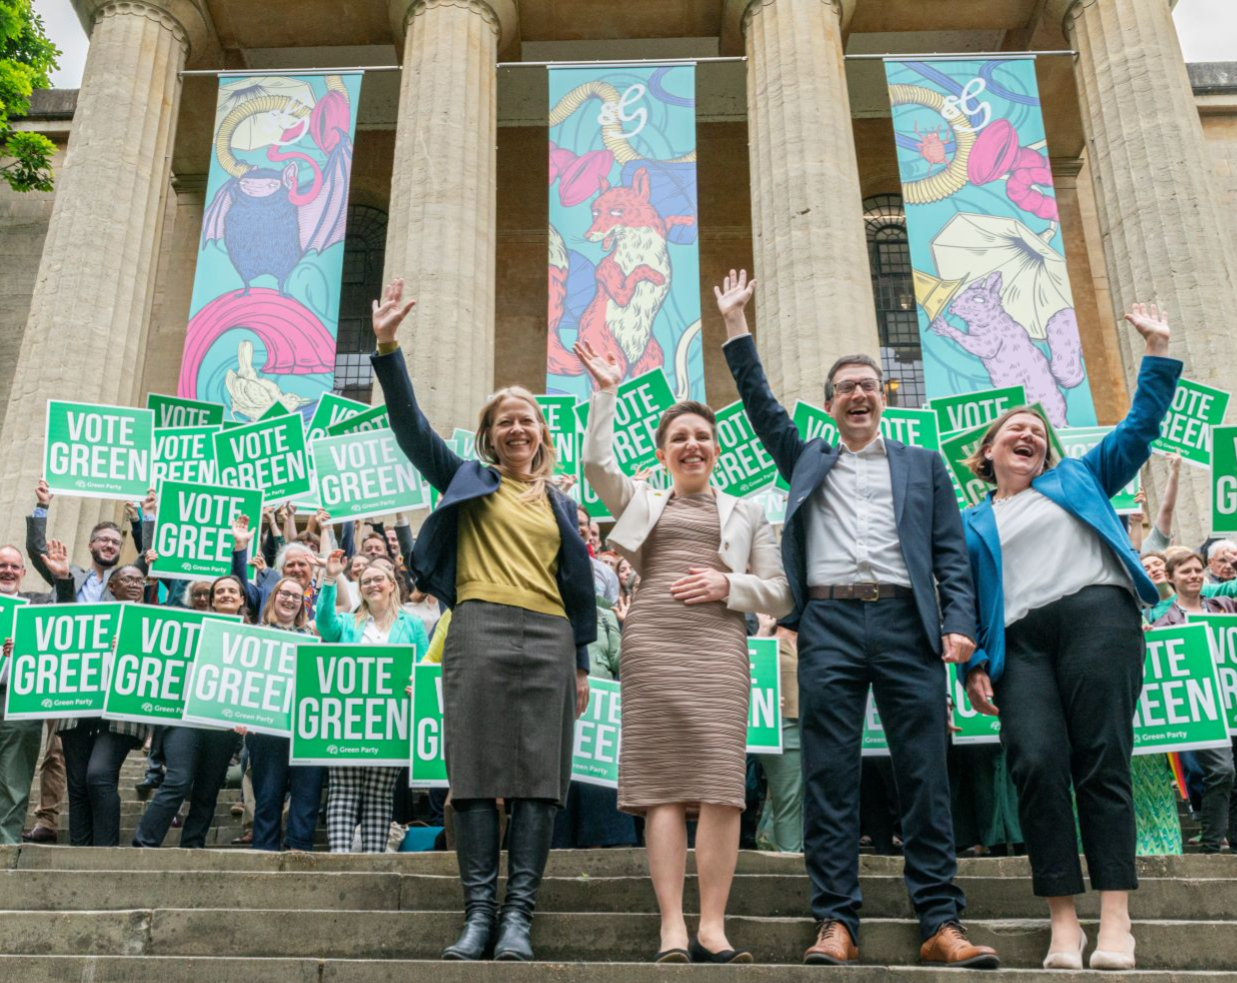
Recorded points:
509,697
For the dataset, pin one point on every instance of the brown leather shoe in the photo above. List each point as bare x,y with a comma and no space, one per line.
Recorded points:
41,834
951,947
834,946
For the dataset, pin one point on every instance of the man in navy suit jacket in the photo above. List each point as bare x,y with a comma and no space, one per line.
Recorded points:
872,538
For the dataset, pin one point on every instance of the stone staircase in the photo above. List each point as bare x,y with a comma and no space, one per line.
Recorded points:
175,916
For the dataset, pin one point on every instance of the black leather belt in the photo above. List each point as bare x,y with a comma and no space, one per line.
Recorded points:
859,592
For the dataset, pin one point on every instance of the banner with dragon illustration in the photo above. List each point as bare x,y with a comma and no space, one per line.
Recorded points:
986,243
265,309
624,263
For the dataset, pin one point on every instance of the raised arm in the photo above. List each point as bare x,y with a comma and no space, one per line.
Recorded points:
242,535
36,532
770,420
427,451
1168,500
329,622
1118,457
601,468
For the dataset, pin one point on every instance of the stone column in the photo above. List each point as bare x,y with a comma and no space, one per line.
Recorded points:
441,236
814,297
86,334
1163,237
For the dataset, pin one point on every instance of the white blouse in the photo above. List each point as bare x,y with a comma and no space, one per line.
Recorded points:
1047,554
371,634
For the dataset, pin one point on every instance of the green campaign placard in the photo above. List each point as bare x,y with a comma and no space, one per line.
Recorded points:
268,456
764,713
637,411
331,410
1222,638
427,767
1186,427
352,705
467,443
598,736
589,498
874,743
62,655
173,411
972,726
743,465
1077,442
560,418
957,447
365,474
98,451
1224,479
1181,707
193,528
244,676
184,454
9,603
967,411
774,504
154,649
374,418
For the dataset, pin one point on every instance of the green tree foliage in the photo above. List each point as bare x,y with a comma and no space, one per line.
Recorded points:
26,58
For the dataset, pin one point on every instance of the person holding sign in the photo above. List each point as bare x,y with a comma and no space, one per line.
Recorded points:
873,549
1061,645
501,550
685,670
367,792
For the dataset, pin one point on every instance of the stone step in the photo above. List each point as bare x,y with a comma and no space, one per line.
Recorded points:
130,811
563,863
165,969
754,895
1163,945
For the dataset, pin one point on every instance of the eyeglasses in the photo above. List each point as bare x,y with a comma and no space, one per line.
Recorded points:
374,582
848,386
287,595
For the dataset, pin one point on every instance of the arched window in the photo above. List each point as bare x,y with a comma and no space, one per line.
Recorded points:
364,254
897,320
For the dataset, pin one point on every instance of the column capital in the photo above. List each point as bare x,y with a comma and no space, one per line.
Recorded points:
188,20
736,14
1063,13
502,15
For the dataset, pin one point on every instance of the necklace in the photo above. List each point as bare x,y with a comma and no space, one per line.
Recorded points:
998,503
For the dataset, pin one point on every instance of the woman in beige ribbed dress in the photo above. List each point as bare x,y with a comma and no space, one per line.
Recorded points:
704,559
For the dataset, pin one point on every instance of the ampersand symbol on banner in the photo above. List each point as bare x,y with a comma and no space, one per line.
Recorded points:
968,104
617,112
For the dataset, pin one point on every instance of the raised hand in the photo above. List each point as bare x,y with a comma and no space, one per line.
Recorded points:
152,557
43,494
56,559
258,561
150,503
391,312
335,565
242,535
1152,324
734,293
621,607
605,370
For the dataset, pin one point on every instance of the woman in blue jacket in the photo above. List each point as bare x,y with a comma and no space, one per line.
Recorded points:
1061,648
365,791
503,551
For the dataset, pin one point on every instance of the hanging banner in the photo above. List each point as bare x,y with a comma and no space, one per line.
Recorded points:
265,307
986,243
624,266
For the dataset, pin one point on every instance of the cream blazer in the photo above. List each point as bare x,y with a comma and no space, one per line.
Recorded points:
749,549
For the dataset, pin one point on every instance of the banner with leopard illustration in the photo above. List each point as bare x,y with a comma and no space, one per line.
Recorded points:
623,262
265,310
986,243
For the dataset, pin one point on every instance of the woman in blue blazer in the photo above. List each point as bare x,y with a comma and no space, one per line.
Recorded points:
1060,646
365,791
503,551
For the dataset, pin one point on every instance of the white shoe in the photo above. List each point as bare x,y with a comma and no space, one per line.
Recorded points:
1103,959
1067,960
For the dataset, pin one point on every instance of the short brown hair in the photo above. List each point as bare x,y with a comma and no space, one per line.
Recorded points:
846,360
1181,559
981,467
687,407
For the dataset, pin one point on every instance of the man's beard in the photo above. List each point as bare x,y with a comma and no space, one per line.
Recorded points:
106,564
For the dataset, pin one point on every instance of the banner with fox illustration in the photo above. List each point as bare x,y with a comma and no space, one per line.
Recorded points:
265,310
624,265
986,244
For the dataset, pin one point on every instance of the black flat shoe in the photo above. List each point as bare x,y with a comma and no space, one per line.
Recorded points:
699,954
672,956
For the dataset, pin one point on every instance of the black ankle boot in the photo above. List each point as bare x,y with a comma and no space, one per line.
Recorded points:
476,848
528,848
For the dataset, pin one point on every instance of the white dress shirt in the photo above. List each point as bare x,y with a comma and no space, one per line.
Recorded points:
852,535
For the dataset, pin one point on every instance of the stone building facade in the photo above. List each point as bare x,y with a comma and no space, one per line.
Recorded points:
798,180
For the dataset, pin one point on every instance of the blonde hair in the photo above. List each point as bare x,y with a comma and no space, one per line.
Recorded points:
268,616
540,477
363,611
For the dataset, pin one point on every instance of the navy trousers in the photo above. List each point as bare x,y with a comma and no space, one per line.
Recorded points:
273,779
845,646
